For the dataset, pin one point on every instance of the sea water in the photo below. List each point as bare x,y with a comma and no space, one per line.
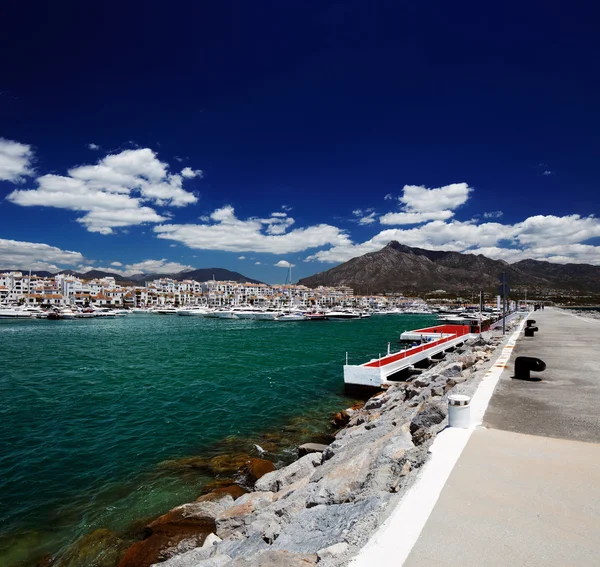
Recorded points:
91,409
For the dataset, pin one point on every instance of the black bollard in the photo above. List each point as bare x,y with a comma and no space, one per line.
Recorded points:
530,331
525,364
530,322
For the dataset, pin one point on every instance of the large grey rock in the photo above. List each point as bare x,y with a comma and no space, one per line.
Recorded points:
242,547
322,526
334,550
452,370
342,477
276,480
275,558
432,413
265,525
291,502
191,558
307,448
242,512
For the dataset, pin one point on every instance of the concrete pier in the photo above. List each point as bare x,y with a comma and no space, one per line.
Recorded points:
525,489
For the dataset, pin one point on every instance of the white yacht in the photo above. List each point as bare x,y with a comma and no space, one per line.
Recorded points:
166,310
225,314
14,313
286,317
342,315
193,311
67,313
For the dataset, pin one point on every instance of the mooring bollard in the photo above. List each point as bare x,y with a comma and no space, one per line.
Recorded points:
459,411
530,322
525,364
530,331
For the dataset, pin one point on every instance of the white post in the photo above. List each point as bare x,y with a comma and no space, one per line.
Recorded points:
388,349
346,358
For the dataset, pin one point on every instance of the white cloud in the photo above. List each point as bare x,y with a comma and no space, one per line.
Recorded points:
114,193
257,263
190,173
284,264
492,215
551,230
547,172
420,199
15,161
388,197
550,238
241,257
420,204
146,267
93,146
357,212
35,256
228,233
286,208
156,266
414,218
367,219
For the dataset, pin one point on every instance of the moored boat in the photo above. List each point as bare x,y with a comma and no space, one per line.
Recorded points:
289,317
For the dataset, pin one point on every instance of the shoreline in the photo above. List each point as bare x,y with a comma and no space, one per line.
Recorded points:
370,464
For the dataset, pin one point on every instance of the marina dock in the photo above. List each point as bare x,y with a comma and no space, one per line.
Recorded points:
435,341
524,490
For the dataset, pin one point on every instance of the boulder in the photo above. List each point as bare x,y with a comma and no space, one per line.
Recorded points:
181,529
274,558
227,465
253,469
311,448
242,547
321,526
210,540
452,370
220,489
241,514
342,477
192,558
334,550
432,413
276,480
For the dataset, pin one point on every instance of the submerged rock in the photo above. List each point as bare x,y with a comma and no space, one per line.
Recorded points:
221,487
253,469
100,548
181,529
227,465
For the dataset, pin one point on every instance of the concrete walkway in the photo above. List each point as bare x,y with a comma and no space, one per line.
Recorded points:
525,490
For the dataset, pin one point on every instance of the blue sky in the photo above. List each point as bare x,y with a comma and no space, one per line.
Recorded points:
249,134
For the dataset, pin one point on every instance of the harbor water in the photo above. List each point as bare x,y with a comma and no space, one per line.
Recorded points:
94,412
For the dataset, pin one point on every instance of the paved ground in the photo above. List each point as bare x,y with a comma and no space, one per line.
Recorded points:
566,403
519,500
526,491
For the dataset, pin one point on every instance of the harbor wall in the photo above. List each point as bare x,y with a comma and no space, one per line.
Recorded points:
323,507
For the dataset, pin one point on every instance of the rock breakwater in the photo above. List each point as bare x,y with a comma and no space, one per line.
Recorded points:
322,507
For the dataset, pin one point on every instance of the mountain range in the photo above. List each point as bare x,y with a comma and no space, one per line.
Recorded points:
402,269
201,275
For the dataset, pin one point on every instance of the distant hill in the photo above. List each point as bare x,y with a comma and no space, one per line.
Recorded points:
403,269
201,275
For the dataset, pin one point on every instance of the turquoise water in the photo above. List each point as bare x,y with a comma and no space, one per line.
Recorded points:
90,408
